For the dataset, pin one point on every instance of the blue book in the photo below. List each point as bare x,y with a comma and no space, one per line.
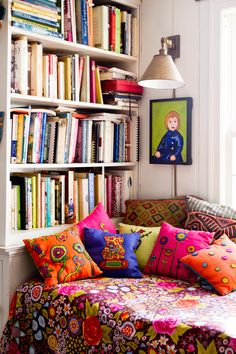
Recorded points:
43,3
44,119
91,191
84,22
116,143
32,18
36,29
84,124
48,201
121,142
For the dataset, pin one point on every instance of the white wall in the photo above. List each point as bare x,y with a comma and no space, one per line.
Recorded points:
189,19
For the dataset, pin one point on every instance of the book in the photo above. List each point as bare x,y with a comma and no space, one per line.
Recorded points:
98,88
20,136
101,27
84,22
117,31
14,125
92,81
112,27
69,206
36,29
99,188
121,86
36,69
83,197
61,139
85,84
21,65
116,73
90,22
127,190
61,80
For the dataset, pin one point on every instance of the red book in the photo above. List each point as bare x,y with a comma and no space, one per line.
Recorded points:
92,82
121,86
112,28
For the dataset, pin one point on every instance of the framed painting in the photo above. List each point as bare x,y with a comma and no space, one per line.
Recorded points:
170,131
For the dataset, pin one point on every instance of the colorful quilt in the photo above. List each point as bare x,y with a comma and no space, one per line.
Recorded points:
104,315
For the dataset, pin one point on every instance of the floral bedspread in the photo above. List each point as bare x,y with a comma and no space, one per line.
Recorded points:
104,315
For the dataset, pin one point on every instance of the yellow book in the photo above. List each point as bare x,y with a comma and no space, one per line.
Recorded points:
34,202
20,136
99,98
68,76
34,8
28,22
36,68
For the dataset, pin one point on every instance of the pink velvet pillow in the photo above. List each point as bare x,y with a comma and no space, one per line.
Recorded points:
97,219
172,244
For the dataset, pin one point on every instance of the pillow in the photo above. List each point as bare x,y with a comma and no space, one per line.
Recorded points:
97,219
148,237
172,244
153,212
212,223
61,257
113,253
195,204
216,264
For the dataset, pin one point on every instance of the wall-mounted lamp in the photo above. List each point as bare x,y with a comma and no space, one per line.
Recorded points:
162,72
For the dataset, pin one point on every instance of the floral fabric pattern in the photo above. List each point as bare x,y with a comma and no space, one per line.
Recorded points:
104,315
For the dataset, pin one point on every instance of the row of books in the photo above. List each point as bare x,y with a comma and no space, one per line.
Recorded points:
40,16
70,77
103,26
45,136
41,200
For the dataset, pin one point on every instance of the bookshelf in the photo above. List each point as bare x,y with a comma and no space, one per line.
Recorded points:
13,258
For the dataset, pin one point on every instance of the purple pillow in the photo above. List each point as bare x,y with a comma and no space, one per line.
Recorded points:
114,253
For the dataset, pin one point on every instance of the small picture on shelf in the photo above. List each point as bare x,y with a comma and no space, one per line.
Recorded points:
170,131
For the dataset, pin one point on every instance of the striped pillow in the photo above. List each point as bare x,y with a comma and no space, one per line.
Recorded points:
195,204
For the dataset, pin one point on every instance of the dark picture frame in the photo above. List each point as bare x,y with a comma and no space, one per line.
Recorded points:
170,131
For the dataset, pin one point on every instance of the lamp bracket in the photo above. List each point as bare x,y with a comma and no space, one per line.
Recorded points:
172,45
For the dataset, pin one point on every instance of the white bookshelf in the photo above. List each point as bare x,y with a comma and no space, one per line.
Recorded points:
13,258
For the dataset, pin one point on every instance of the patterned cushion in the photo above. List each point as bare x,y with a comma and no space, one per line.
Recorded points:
172,244
97,219
114,253
153,212
61,257
212,223
216,264
195,204
148,237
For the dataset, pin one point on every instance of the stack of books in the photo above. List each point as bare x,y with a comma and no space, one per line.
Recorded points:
40,16
119,87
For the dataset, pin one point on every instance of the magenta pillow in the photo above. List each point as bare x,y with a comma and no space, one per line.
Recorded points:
172,244
97,219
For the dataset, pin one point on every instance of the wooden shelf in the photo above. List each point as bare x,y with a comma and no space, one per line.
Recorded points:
62,46
54,166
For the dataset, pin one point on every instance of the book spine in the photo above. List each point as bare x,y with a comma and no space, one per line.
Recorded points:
36,67
43,134
62,198
57,203
84,139
92,81
118,31
45,76
70,213
109,194
112,28
48,201
88,147
25,138
14,119
20,134
36,29
38,199
84,22
61,80
21,65
43,203
52,202
34,202
90,22
18,206
29,203
33,18
91,191
68,134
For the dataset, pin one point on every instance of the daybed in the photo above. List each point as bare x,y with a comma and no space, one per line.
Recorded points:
148,314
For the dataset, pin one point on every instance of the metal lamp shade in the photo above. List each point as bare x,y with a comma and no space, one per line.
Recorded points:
162,73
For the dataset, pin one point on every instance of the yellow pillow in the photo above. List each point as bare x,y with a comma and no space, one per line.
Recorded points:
148,237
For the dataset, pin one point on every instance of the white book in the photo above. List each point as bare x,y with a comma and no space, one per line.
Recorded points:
45,76
107,142
101,27
61,140
62,197
83,198
77,78
61,80
43,203
52,201
89,142
73,138
21,65
38,200
36,69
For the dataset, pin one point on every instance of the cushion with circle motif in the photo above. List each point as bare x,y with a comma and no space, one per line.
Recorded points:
97,219
172,244
62,257
113,253
216,264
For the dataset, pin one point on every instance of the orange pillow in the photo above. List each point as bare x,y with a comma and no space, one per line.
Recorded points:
62,257
216,264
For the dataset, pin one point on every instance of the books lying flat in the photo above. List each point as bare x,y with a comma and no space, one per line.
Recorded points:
121,86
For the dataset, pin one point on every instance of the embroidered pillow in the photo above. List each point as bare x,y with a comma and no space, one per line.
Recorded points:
217,224
97,219
195,204
148,237
216,264
154,212
172,244
113,253
62,257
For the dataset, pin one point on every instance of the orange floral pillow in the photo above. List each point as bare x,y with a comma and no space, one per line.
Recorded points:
216,264
62,257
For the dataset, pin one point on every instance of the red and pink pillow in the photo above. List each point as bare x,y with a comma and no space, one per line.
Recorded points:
172,244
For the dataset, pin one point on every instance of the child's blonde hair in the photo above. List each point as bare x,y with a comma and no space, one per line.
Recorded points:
172,114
